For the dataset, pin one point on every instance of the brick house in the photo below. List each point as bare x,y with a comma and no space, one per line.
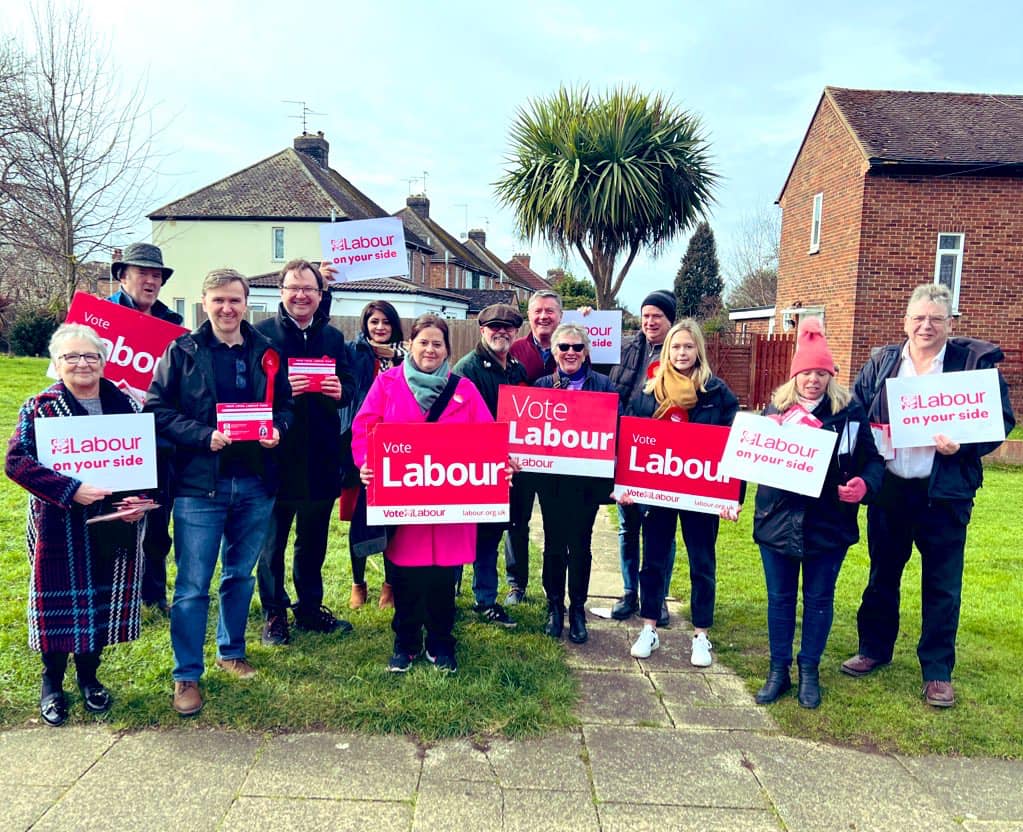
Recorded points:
892,189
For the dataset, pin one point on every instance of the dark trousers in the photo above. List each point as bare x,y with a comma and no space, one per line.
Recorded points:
424,598
901,516
516,545
630,525
568,512
359,569
156,545
55,663
700,534
312,523
820,574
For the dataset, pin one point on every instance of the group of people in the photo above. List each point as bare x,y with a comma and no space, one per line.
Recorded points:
237,502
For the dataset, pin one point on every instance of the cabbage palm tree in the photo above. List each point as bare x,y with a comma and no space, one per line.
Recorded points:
607,176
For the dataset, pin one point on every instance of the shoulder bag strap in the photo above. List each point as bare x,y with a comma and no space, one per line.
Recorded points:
442,400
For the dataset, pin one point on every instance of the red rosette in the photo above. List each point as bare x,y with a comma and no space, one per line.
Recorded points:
652,368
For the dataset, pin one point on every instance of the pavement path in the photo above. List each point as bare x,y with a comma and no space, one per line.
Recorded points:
661,746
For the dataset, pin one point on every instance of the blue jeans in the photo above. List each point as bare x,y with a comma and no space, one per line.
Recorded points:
484,568
630,522
233,522
820,574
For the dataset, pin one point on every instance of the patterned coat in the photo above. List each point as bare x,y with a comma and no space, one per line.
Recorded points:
79,600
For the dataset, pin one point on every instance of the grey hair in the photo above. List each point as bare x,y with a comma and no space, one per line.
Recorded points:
221,277
572,329
933,293
65,332
545,293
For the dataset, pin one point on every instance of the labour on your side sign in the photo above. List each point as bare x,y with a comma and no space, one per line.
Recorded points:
674,464
560,431
792,457
966,407
365,248
605,331
135,342
116,451
438,473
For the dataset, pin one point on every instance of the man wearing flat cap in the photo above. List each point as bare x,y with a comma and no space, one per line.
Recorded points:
141,273
488,367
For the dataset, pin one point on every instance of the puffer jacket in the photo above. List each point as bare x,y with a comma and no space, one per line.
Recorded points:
717,405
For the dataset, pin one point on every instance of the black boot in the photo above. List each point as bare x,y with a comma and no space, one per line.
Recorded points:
577,624
555,619
625,607
777,683
809,694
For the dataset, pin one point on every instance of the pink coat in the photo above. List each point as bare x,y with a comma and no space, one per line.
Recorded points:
390,400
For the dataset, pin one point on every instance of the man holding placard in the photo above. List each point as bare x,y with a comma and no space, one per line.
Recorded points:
926,497
223,487
321,383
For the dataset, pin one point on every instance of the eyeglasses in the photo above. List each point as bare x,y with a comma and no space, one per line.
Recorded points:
301,290
500,325
935,320
573,347
90,358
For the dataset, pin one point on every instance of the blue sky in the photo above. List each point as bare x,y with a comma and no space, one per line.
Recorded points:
409,86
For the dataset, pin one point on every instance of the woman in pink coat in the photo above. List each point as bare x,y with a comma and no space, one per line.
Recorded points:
426,559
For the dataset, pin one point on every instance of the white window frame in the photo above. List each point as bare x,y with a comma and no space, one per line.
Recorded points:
273,244
940,252
815,222
179,306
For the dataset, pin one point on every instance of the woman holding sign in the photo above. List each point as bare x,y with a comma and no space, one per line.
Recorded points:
683,389
424,559
811,535
569,504
86,579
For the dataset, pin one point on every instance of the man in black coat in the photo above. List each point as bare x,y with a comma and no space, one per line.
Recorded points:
926,498
310,456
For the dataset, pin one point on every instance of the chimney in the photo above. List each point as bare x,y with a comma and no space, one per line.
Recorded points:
419,203
315,147
554,275
521,258
478,236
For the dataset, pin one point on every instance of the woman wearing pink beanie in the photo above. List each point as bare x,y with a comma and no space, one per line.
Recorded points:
797,533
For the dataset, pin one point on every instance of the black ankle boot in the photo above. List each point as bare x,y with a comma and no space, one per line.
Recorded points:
555,619
777,683
625,607
577,624
809,694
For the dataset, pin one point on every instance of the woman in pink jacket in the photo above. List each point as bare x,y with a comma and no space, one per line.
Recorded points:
426,559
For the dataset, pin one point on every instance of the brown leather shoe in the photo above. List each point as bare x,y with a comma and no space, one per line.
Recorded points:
386,596
187,698
860,665
358,596
939,694
237,667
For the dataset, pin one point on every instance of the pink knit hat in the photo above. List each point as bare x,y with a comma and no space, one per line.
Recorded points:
812,351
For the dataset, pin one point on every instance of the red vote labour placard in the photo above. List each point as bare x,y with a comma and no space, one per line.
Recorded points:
560,431
674,464
438,473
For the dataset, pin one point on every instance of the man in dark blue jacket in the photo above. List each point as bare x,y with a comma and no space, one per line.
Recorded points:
310,456
926,498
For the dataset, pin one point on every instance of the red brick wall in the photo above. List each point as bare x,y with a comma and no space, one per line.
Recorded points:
455,276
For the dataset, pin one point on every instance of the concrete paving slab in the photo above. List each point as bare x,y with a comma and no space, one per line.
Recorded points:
629,817
820,787
727,719
556,762
607,648
730,690
612,698
249,813
680,768
36,756
24,805
674,653
158,781
457,760
530,811
338,766
993,825
459,804
703,689
978,789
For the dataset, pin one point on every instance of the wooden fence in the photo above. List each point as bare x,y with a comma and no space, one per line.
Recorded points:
752,365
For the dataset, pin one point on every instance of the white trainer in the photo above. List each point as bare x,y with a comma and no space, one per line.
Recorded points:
701,651
646,643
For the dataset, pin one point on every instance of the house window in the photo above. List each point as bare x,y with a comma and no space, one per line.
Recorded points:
278,245
948,264
179,306
815,223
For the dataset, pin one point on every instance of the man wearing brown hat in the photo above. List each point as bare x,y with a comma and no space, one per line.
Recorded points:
141,273
488,367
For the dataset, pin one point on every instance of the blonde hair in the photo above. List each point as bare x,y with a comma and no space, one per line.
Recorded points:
701,372
785,396
221,277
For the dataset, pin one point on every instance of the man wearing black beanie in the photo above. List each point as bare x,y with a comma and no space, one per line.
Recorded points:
657,314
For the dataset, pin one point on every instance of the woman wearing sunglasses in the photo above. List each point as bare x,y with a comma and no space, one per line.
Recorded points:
569,503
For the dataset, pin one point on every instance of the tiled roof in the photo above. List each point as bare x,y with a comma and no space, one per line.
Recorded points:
482,298
382,285
525,275
481,252
933,128
429,230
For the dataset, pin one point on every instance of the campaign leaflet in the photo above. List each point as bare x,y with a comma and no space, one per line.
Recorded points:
115,451
245,421
560,431
316,369
438,473
674,464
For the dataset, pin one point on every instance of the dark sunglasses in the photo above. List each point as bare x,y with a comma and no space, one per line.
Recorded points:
573,347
